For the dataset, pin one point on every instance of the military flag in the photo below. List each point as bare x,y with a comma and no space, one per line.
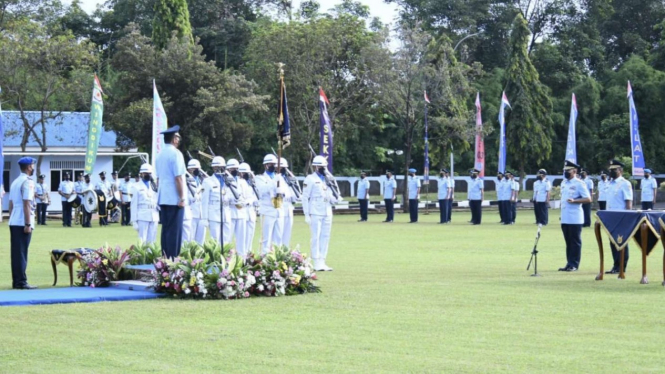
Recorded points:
426,168
159,122
325,132
571,145
502,135
94,126
635,142
480,142
284,125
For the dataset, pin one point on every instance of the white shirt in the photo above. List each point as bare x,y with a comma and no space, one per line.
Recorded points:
23,188
603,185
40,189
169,165
389,188
210,200
317,198
475,189
125,191
414,185
144,203
363,189
267,185
572,213
619,191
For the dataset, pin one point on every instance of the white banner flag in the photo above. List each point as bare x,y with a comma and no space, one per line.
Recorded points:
159,123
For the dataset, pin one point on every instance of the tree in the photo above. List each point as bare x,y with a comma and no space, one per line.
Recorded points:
529,123
171,18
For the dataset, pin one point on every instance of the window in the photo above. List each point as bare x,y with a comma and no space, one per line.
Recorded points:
5,176
56,177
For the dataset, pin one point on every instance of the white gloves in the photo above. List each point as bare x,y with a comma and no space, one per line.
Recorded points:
136,226
203,222
308,220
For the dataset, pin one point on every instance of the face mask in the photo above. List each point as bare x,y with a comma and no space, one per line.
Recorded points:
197,172
126,179
271,168
388,176
87,181
473,176
613,174
146,178
413,175
567,174
442,175
245,176
282,171
234,173
321,170
647,176
103,178
362,177
603,177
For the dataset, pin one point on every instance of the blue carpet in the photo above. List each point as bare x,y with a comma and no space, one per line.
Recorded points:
72,295
148,267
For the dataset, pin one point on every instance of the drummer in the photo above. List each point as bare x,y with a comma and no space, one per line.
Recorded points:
105,187
86,216
79,188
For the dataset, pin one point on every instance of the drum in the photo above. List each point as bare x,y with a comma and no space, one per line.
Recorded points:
101,203
113,203
90,201
76,202
72,197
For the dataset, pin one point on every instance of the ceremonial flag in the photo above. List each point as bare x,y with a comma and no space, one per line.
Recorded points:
159,123
426,168
502,135
2,140
480,142
325,133
94,126
284,125
636,144
571,145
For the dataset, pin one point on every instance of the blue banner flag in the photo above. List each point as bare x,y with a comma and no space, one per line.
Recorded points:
426,168
2,156
571,145
635,143
326,132
284,125
502,136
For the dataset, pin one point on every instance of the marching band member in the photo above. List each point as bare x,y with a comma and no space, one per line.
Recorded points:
238,208
287,206
271,188
145,215
196,232
41,198
126,199
104,186
65,190
252,203
317,202
86,217
215,203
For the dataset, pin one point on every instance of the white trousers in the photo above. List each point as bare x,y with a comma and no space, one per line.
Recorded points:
272,233
215,232
288,227
186,230
249,234
320,227
237,230
198,231
147,231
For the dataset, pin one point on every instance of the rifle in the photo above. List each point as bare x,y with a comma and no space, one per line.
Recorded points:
291,180
242,159
330,179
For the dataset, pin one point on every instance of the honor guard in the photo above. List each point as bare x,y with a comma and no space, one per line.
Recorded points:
171,196
252,203
541,197
126,199
272,188
42,200
65,190
21,221
317,202
444,194
475,193
86,217
649,188
290,197
238,208
603,184
587,206
196,232
215,203
363,196
105,187
145,215
574,193
389,193
619,197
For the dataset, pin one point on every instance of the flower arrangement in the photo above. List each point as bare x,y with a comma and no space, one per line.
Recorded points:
102,266
283,272
144,253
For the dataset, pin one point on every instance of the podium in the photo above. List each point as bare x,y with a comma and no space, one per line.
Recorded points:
644,227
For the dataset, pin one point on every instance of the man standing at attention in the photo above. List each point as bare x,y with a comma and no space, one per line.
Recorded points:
587,206
65,190
619,197
170,168
389,190
574,193
443,184
21,222
363,196
603,184
413,184
649,188
475,192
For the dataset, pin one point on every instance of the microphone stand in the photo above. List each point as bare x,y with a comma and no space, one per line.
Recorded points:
534,254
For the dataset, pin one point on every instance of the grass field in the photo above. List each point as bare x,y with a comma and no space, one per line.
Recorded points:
403,298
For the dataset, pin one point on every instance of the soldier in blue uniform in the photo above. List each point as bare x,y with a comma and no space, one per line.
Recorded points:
541,197
574,193
444,194
649,188
363,196
603,184
413,183
619,197
21,222
41,198
389,191
587,206
170,169
475,193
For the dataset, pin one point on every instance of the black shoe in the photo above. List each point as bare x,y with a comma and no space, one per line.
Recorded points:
565,268
612,271
572,268
413,221
25,287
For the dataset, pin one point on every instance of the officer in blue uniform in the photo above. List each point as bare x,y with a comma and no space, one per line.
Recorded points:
21,221
413,183
363,196
619,197
41,199
541,197
587,206
171,195
475,193
649,188
501,188
389,191
444,194
603,184
574,193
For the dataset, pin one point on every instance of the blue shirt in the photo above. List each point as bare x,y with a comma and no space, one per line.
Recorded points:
66,187
39,190
414,185
648,184
169,165
475,188
540,190
23,188
444,186
503,191
363,188
572,213
618,192
389,188
603,185
589,184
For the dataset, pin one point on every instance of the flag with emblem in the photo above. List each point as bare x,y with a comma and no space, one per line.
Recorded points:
325,132
94,126
571,144
502,135
159,123
426,168
480,142
284,125
635,142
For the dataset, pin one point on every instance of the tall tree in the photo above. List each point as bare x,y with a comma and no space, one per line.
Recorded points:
171,17
529,122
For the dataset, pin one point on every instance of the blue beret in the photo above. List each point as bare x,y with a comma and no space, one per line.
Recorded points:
171,130
647,171
412,170
27,161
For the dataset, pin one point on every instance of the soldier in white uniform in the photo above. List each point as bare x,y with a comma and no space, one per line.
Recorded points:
239,208
290,198
252,204
65,189
215,203
104,186
86,217
196,232
272,188
125,199
145,215
317,202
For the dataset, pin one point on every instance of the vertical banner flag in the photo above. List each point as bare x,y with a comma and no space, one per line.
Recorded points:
571,145
426,168
325,133
2,155
94,126
480,142
635,143
502,136
159,123
284,125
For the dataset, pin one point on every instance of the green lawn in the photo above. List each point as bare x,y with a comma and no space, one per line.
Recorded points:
403,298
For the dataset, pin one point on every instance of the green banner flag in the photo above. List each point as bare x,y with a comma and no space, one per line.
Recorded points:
95,126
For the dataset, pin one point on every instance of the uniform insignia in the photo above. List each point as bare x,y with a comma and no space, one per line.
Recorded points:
620,239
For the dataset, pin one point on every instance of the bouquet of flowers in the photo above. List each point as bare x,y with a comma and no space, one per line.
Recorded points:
102,266
283,272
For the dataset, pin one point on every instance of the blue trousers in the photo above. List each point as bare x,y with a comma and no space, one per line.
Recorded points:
172,217
450,210
476,211
542,212
390,209
507,216
41,213
66,213
444,208
413,210
586,207
646,205
572,234
20,242
364,203
513,211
